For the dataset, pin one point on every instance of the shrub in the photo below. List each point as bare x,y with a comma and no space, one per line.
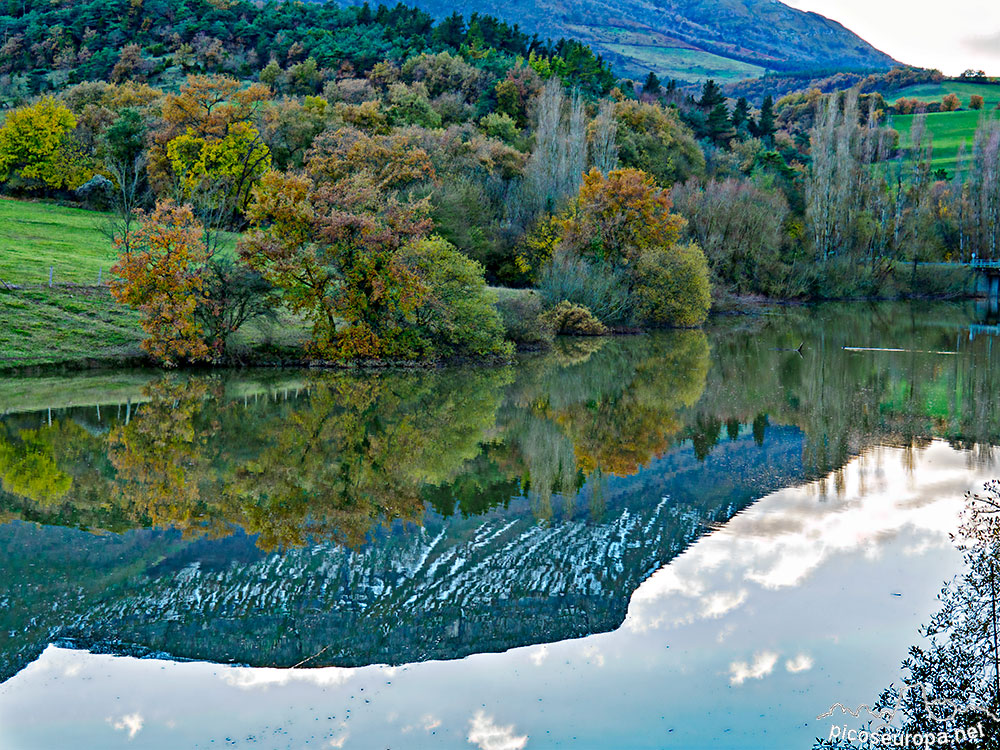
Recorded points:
672,287
500,126
521,313
976,102
458,316
599,287
568,319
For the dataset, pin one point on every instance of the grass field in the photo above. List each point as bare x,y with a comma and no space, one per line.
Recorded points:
688,64
949,129
44,326
935,92
36,236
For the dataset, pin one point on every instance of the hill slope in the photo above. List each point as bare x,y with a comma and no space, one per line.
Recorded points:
687,39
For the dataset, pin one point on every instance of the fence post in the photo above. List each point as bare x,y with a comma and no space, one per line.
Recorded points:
50,277
99,270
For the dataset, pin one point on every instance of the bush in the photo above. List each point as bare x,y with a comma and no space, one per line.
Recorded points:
459,317
600,288
500,126
568,319
521,313
672,287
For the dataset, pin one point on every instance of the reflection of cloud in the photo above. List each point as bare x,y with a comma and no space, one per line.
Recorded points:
248,678
488,735
131,723
763,665
716,605
539,655
801,663
431,723
593,653
787,536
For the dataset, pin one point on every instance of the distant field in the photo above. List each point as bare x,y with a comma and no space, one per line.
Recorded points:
688,64
35,236
949,129
935,92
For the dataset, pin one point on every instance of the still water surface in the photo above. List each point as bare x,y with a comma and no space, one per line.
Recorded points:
676,540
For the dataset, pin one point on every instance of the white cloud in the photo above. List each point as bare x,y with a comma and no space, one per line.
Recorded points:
131,723
762,665
486,734
801,663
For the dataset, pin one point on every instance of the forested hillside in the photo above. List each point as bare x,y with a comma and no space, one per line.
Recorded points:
691,40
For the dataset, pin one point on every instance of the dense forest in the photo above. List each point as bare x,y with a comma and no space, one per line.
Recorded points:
371,171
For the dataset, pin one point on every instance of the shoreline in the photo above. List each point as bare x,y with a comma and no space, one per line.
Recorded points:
732,307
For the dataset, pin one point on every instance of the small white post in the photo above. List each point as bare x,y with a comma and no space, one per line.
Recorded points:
99,270
50,277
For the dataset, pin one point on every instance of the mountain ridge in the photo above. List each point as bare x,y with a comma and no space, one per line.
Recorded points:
687,39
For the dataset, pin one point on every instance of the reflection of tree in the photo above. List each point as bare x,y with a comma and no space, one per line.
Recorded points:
607,413
28,466
357,453
952,681
161,456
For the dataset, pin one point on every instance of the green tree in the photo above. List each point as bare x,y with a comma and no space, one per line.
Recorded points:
35,145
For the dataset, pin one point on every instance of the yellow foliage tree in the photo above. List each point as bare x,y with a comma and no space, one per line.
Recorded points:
35,145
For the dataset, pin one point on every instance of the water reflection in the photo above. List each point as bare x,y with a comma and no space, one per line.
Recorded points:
725,647
348,519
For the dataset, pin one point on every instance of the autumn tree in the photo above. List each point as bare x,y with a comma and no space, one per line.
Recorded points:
161,274
622,227
950,103
976,102
36,146
209,150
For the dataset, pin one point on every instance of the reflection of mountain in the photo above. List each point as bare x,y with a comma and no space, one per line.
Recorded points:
453,587
545,484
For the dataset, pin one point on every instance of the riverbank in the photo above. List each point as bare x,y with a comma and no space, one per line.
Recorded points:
79,327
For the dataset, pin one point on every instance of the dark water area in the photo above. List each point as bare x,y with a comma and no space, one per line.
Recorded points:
671,528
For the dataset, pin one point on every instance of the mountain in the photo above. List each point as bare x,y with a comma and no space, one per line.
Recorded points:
690,40
454,586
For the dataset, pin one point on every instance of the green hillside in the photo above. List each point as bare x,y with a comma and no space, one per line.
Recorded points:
36,236
935,92
949,129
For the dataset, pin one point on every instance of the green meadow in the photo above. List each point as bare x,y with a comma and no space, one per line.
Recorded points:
935,92
37,236
949,130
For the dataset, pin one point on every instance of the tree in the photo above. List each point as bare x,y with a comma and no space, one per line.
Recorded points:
741,119
652,84
618,216
622,225
766,127
35,146
161,274
711,96
333,250
124,158
950,103
458,317
976,102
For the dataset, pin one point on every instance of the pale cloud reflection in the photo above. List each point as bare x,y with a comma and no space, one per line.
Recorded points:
486,734
761,666
786,537
249,678
131,723
539,655
801,663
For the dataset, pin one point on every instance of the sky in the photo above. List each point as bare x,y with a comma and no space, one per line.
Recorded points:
952,36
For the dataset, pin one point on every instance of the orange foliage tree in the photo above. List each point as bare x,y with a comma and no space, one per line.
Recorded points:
161,274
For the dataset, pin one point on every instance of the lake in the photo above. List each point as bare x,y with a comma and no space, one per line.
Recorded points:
683,539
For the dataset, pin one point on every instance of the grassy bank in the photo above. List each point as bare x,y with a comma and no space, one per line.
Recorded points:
37,236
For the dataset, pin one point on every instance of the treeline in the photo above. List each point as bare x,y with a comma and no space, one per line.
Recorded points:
376,193
48,45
